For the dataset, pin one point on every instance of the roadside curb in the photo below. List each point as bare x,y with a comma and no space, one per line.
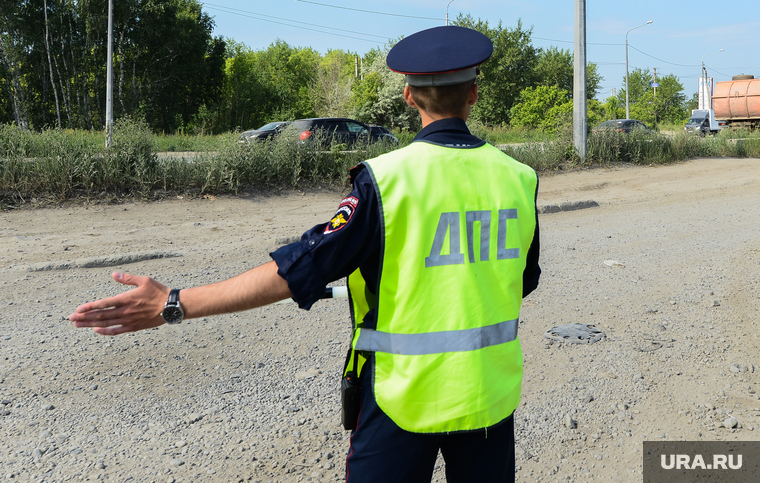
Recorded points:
99,262
567,206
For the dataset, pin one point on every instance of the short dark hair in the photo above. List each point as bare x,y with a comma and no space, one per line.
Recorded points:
442,100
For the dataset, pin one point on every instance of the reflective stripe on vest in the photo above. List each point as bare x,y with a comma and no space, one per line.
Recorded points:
437,342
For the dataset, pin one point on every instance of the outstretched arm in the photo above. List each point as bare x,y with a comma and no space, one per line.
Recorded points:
140,308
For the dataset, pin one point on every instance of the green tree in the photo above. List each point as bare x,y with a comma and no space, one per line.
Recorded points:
53,61
668,105
387,107
510,69
555,67
331,90
692,103
612,108
268,85
541,107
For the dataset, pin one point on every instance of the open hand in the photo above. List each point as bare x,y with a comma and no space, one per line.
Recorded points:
130,311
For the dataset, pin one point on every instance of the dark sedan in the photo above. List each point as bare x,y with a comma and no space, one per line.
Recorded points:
329,130
384,132
264,132
623,125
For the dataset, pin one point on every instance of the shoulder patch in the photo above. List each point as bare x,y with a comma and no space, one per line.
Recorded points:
343,215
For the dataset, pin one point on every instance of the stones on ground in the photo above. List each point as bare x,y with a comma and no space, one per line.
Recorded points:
739,368
48,407
180,444
194,418
730,423
575,334
614,263
567,206
569,422
176,462
716,303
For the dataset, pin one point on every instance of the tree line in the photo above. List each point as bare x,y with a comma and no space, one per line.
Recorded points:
170,71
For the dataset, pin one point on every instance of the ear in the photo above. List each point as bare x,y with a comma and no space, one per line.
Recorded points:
408,97
473,96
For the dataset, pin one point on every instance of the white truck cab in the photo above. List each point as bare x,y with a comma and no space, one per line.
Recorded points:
702,122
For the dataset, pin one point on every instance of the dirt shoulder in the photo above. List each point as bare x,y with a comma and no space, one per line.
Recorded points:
253,396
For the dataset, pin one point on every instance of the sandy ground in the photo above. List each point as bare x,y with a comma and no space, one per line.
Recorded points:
667,266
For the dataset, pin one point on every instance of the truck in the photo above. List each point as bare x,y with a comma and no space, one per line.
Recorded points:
703,121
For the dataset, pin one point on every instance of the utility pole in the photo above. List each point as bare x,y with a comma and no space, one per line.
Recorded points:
109,80
654,86
580,119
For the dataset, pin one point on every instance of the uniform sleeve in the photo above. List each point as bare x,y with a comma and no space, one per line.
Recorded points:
532,271
332,250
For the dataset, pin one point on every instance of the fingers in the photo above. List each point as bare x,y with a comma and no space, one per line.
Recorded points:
112,330
100,318
123,329
129,311
101,304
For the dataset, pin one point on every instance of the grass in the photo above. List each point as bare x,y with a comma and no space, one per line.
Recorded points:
185,142
56,166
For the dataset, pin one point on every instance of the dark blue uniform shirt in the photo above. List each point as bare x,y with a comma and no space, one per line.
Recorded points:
333,250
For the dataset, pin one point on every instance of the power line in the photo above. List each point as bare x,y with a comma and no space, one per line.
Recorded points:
664,61
259,16
368,11
555,40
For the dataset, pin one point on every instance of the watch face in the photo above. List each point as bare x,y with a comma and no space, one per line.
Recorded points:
172,314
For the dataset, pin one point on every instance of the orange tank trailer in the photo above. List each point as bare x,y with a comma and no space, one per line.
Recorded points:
737,102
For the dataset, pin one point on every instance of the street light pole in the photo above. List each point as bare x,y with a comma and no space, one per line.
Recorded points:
109,78
627,110
447,12
704,89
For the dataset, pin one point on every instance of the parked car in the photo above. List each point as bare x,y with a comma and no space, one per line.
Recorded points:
335,130
264,132
383,132
623,125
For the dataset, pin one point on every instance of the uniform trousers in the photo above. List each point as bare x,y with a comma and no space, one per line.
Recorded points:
382,452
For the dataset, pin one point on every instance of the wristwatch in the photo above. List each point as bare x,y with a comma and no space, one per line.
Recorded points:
172,312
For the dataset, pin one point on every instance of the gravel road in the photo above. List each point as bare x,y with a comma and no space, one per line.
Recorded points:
667,266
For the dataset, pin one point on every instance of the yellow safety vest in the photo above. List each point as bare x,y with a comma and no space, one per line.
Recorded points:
457,224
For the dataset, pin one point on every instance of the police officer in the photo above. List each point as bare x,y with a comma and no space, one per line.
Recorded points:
439,244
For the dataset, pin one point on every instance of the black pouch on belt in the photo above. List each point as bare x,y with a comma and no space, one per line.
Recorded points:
349,395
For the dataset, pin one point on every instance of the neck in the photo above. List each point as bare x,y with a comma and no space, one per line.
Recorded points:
429,117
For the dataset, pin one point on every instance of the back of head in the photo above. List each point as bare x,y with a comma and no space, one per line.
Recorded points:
444,101
440,66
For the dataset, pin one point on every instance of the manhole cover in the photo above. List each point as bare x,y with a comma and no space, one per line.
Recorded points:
575,334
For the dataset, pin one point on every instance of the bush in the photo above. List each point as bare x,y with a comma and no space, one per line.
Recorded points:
61,165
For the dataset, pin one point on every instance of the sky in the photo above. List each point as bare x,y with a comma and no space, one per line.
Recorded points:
683,33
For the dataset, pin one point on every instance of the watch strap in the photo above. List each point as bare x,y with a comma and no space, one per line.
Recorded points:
173,296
